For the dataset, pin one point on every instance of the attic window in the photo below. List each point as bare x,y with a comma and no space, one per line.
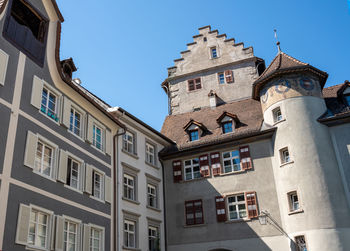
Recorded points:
228,122
194,135
205,39
227,127
27,29
213,52
347,99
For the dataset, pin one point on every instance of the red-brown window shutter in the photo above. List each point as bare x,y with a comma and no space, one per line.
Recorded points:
194,212
191,85
215,163
252,206
177,170
229,76
204,165
220,208
198,83
246,160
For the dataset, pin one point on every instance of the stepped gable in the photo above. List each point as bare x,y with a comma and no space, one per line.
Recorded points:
248,112
197,52
283,64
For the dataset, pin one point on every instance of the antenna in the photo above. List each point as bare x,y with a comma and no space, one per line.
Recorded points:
278,43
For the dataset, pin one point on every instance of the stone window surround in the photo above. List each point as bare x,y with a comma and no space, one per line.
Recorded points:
131,171
152,180
134,152
147,141
131,216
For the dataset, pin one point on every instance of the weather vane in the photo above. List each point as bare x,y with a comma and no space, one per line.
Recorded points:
278,43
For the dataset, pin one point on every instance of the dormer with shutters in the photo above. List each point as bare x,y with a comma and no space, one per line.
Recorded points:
211,62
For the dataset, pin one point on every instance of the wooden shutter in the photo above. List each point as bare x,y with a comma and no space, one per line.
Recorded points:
252,206
108,190
3,66
59,239
89,129
189,210
88,179
220,208
30,151
62,167
177,171
204,165
108,140
23,224
215,163
191,85
244,155
37,92
86,237
229,76
67,104
198,83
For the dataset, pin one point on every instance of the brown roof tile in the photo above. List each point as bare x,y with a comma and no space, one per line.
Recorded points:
248,112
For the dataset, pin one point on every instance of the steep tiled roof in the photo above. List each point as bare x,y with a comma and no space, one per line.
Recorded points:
248,112
283,64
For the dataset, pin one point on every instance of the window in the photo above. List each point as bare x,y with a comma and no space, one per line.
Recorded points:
153,239
95,239
75,122
97,183
152,195
49,104
192,170
194,84
227,127
213,52
150,154
97,137
73,173
194,212
277,115
293,201
221,78
194,135
237,207
285,158
27,29
347,99
128,142
300,243
38,229
231,161
70,236
129,187
44,159
129,234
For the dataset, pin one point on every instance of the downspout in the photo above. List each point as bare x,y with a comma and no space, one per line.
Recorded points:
168,94
115,185
164,205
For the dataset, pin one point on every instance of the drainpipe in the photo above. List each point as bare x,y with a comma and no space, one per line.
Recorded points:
115,185
165,228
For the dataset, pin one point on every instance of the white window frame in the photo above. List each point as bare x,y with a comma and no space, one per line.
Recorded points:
285,156
236,204
95,172
71,170
129,187
191,168
150,156
57,95
294,205
216,52
153,195
127,232
94,136
53,167
101,230
277,114
75,111
68,232
154,238
231,158
223,76
128,145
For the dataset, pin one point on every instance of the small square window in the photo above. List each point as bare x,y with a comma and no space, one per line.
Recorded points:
300,243
285,157
214,53
194,135
227,127
277,115
293,201
221,78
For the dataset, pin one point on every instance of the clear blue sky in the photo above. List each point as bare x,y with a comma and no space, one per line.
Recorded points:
122,48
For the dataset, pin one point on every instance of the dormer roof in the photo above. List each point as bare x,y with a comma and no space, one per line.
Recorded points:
227,114
193,122
283,64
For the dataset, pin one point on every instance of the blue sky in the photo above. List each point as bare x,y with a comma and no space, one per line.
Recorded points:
122,48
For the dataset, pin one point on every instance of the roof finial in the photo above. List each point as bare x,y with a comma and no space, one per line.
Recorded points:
278,42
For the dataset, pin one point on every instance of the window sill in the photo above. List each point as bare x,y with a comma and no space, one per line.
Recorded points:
131,249
280,121
237,221
130,154
51,119
195,225
296,212
44,176
152,165
231,173
97,149
34,248
154,208
193,180
287,163
75,135
131,201
98,199
73,189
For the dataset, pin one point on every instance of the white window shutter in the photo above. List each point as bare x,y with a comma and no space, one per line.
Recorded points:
108,140
81,177
37,91
89,129
88,179
30,151
108,191
86,237
59,233
66,111
23,224
3,66
62,167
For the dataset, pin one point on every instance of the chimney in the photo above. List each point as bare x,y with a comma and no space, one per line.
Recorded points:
212,99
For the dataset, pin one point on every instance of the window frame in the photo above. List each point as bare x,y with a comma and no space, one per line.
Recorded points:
277,117
231,161
223,78
153,195
292,202
69,172
77,234
148,153
284,158
128,232
197,85
191,167
194,212
53,167
101,230
154,238
57,95
97,172
296,243
223,126
82,124
126,142
129,187
236,204
212,48
190,134
94,136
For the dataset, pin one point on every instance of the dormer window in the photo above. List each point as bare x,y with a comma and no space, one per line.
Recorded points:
213,52
347,99
27,29
194,135
194,129
227,127
228,122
